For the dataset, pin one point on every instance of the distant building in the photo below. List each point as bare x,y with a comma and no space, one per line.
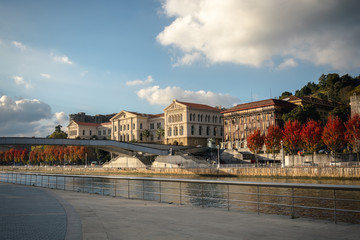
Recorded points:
87,130
323,107
129,126
243,119
82,117
192,124
355,104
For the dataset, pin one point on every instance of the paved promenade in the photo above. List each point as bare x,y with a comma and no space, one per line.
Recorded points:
98,217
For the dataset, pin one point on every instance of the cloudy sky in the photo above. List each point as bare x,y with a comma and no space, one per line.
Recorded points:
100,57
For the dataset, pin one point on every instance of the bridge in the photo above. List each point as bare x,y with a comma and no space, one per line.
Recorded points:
107,145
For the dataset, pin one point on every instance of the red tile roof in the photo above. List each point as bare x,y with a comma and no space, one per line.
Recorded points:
147,115
200,106
258,104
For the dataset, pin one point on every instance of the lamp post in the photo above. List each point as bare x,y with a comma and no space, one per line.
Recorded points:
282,154
218,158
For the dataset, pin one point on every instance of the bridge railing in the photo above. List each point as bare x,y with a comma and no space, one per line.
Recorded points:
320,201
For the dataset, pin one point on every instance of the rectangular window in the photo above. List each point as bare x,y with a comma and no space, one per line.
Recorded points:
158,125
99,132
152,125
104,132
140,125
109,131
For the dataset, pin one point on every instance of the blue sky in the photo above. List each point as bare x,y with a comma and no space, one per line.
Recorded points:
100,57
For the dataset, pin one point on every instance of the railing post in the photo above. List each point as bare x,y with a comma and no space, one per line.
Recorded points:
202,195
228,197
335,219
114,188
42,180
16,178
180,193
56,185
48,185
292,203
128,188
83,180
160,191
73,183
143,190
258,200
102,186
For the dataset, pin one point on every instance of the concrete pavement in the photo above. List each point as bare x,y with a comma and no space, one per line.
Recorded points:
104,217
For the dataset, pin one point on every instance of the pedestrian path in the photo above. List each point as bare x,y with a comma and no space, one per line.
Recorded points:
34,213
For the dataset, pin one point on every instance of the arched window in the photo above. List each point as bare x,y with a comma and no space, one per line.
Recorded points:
215,130
169,131
190,117
216,119
181,130
176,131
198,117
192,130
207,131
213,119
201,119
200,130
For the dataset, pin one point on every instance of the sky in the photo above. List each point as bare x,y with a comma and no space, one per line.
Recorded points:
101,57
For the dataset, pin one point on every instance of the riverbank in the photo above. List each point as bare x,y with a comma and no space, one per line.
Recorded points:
352,173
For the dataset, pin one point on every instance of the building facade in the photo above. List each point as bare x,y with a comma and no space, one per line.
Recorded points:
98,118
131,126
192,124
87,130
355,104
243,119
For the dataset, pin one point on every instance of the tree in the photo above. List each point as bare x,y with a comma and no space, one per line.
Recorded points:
352,134
146,133
58,133
273,140
342,111
311,134
285,95
333,135
302,114
292,136
160,132
255,142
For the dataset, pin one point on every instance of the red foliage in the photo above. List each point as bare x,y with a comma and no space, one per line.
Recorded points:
273,139
333,135
311,134
352,134
292,135
255,141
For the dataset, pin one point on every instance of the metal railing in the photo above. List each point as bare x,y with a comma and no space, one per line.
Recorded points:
332,202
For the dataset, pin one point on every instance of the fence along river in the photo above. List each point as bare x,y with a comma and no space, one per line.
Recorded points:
338,203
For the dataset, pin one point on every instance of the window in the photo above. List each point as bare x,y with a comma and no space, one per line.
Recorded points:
215,130
207,131
176,131
151,125
200,130
192,130
104,132
99,132
140,125
198,117
120,127
141,137
169,131
128,127
190,117
84,131
158,125
109,131
152,137
90,133
181,130
133,126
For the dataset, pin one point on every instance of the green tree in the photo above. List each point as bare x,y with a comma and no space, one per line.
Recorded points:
302,114
58,133
160,132
342,112
146,133
285,95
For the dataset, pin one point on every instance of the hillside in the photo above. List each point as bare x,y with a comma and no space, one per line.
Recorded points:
330,87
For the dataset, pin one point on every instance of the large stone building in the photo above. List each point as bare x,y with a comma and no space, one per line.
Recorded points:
323,107
192,124
355,104
87,130
243,119
130,126
98,118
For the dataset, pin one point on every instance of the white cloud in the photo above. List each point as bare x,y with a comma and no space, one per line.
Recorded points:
63,59
45,75
140,82
28,117
253,32
290,62
18,44
20,81
157,96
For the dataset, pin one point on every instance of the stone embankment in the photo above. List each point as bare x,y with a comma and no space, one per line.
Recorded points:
287,172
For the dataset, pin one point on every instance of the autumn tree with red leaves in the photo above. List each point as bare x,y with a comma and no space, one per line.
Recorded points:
333,135
292,136
352,134
311,134
273,140
255,142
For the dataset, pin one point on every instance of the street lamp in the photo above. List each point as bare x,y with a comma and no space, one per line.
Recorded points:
282,153
218,148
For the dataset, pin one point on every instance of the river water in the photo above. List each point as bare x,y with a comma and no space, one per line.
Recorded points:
310,203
